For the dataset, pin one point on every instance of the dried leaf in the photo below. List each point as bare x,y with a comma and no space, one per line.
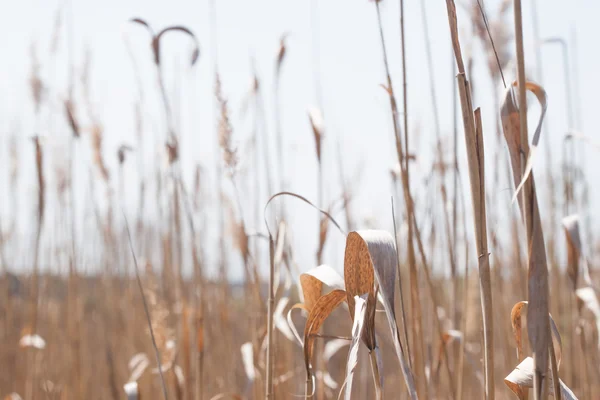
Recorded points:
97,137
316,122
589,298
143,23
328,276
131,390
327,379
521,379
516,316
382,250
360,309
281,52
304,199
574,251
510,115
312,283
311,290
448,337
137,365
248,360
156,39
70,111
280,321
291,323
538,292
179,376
321,310
359,277
156,43
35,341
376,250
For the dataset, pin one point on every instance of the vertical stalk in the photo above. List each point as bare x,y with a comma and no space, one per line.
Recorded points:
39,156
461,355
7,306
455,152
538,323
277,113
404,92
270,304
417,327
73,317
522,101
475,153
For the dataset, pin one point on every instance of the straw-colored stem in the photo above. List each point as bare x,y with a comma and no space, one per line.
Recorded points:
404,88
73,317
417,327
522,103
461,355
308,387
35,285
475,153
320,362
270,305
531,217
278,132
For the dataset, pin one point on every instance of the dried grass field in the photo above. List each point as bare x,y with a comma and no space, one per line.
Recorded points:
119,302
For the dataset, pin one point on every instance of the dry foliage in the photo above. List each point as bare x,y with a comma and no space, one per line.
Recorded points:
83,321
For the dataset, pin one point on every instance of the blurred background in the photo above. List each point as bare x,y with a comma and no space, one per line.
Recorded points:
332,62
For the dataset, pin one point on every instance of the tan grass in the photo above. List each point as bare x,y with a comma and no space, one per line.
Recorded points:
94,330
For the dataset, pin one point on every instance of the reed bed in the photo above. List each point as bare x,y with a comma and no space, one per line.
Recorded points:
128,308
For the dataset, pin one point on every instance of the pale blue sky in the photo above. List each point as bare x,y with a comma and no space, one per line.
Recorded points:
355,106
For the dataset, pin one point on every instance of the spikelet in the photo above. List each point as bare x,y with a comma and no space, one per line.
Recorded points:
225,132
